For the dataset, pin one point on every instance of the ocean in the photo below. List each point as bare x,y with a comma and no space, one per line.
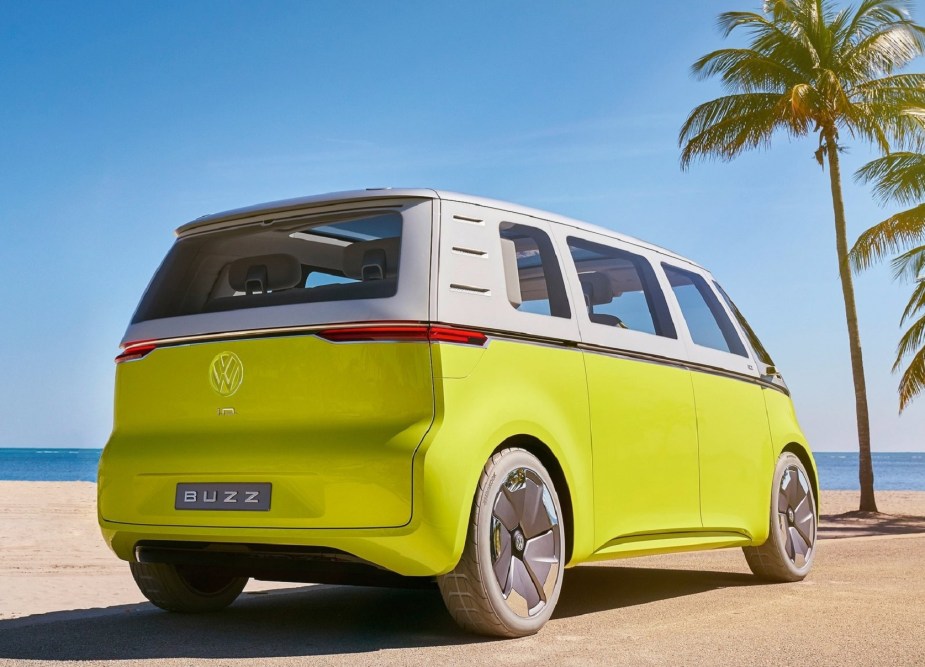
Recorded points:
893,471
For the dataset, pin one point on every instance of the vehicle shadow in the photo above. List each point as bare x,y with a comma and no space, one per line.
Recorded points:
868,524
594,588
317,620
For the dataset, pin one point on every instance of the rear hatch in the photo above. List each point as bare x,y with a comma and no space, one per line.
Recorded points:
255,369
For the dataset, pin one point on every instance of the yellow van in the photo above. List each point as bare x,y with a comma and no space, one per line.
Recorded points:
408,386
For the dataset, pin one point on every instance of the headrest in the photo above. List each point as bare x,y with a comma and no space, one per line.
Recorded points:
265,273
372,260
596,287
511,274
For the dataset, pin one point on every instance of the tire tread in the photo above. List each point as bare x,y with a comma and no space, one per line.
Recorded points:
462,589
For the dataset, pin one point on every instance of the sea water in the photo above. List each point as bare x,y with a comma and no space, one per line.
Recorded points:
893,471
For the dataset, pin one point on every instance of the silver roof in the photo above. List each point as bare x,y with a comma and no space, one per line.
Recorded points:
284,205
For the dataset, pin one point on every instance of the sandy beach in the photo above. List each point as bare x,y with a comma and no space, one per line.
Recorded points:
65,597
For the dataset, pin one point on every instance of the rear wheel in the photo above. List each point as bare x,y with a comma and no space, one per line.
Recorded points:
788,553
508,579
186,588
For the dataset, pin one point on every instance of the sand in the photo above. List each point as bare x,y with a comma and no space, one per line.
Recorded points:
65,597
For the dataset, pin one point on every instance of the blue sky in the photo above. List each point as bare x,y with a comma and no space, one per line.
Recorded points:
121,121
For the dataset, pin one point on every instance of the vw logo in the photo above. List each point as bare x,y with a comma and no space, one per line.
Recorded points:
226,373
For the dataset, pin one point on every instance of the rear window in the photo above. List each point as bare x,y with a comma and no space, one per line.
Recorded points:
286,263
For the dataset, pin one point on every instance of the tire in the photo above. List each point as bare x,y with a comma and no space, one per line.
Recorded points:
789,551
185,588
508,579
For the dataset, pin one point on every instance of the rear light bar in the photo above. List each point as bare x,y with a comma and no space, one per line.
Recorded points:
398,333
134,351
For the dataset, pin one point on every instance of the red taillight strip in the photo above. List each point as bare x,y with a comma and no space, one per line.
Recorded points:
451,335
135,351
436,334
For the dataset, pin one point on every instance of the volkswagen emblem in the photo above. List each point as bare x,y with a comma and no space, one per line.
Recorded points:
226,373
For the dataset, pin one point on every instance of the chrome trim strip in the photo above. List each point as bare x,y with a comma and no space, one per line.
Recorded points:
629,355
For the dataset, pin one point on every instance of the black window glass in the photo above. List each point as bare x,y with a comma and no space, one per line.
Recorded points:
707,321
532,273
283,263
620,288
759,349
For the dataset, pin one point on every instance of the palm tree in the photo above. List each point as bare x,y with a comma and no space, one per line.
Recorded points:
809,69
900,177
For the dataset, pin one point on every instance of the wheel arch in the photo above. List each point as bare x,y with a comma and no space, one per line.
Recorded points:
802,453
541,451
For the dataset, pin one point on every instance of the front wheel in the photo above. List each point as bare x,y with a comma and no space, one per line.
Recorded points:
186,588
508,579
788,553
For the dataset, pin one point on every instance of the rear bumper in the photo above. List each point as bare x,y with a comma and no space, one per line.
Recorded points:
429,544
408,551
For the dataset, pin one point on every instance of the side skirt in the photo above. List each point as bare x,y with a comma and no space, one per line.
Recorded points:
646,544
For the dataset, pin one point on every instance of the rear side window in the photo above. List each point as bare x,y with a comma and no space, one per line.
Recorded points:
286,263
759,349
531,271
707,321
620,288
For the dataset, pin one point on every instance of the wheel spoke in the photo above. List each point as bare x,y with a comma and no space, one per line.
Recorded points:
539,557
501,539
517,497
799,545
795,491
805,521
523,584
536,519
505,511
782,502
789,547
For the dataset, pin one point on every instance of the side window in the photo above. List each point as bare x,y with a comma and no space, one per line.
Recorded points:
531,270
759,349
620,288
707,321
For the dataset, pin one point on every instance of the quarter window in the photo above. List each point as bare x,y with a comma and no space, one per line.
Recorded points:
706,320
750,334
620,288
531,270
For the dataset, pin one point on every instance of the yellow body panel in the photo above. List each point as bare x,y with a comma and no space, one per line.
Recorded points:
376,448
644,431
333,427
736,457
516,389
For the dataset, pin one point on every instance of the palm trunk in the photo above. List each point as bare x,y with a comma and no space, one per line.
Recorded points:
865,467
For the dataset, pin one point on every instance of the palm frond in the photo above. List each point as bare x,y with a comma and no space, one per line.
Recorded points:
867,126
912,381
916,302
779,41
884,50
724,127
836,66
893,235
896,177
870,16
745,70
910,342
910,265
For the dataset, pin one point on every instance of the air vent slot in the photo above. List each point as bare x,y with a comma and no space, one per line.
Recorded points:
471,252
471,221
469,289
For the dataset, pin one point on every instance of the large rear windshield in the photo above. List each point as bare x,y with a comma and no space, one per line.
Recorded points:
282,263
